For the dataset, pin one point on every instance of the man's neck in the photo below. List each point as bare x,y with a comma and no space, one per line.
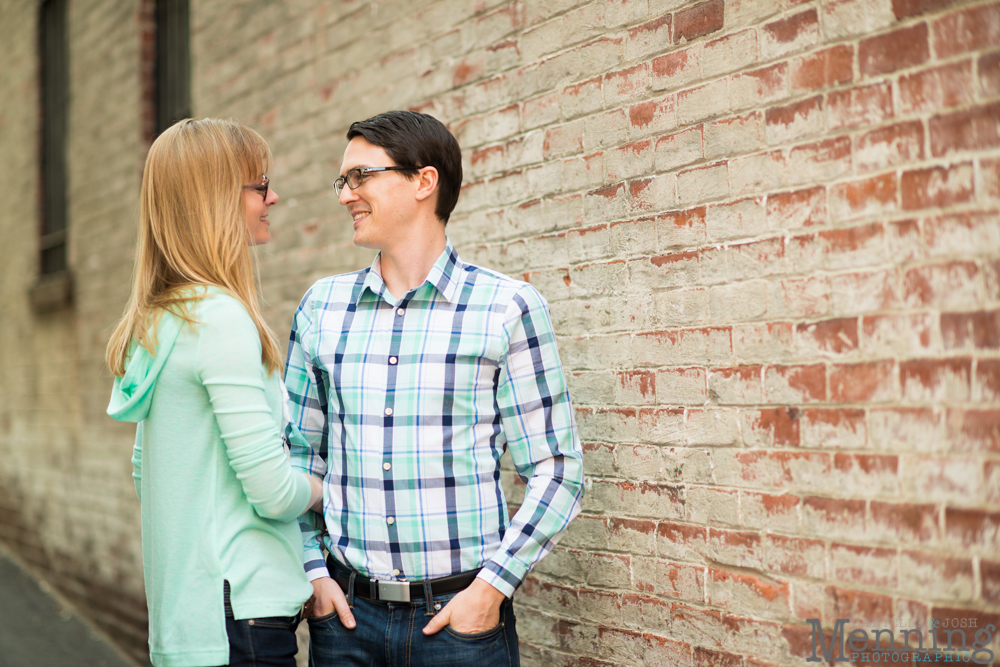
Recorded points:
407,262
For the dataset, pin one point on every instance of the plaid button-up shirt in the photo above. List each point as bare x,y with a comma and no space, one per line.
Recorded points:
406,408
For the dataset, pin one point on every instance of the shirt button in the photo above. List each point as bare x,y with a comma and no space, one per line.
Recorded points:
386,465
390,521
400,311
393,360
395,573
388,411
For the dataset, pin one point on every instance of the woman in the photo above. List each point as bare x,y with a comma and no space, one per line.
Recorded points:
198,369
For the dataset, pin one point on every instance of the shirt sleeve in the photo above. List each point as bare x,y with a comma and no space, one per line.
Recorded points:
541,434
230,368
307,433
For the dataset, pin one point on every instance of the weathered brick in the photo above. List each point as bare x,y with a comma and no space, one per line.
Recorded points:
967,30
867,105
699,20
869,566
789,35
889,146
871,381
965,130
936,186
796,120
828,67
899,49
937,88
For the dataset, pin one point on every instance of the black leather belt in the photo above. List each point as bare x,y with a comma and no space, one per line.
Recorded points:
396,591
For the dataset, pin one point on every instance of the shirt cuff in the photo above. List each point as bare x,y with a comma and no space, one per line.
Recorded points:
504,579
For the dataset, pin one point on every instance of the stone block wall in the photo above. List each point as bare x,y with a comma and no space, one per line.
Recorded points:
769,233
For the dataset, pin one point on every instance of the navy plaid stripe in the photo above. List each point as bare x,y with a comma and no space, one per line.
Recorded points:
407,406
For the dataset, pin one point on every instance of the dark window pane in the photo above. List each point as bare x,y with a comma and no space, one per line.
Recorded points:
173,63
55,101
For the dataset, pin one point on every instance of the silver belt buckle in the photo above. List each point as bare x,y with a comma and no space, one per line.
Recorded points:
394,591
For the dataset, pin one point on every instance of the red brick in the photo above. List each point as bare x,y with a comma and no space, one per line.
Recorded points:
906,8
942,284
937,186
979,330
738,385
674,580
829,428
989,74
650,37
894,51
831,336
705,658
681,541
778,426
847,603
795,556
909,522
971,129
625,85
795,120
676,69
988,380
936,380
937,576
989,571
968,30
976,528
821,160
760,86
822,69
745,593
651,112
794,33
870,566
974,430
800,208
990,172
864,197
887,335
796,384
891,145
805,297
770,511
735,547
867,105
698,21
937,89
870,381
828,517
991,477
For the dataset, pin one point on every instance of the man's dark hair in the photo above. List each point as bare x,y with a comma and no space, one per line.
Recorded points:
411,138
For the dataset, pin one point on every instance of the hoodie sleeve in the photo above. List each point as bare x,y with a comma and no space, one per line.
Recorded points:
137,460
230,368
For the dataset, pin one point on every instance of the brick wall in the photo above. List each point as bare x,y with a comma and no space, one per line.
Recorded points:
769,232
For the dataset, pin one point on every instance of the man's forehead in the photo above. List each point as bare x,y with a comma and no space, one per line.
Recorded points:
361,153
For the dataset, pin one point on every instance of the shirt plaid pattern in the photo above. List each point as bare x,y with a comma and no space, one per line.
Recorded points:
406,408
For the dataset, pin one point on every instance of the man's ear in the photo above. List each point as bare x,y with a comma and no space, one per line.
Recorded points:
427,182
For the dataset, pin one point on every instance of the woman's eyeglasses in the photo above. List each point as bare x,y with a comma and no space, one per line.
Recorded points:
355,177
259,187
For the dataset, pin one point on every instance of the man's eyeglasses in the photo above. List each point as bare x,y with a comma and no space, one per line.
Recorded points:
259,187
355,177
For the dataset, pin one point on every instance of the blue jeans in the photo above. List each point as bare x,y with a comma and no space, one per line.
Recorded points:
261,642
390,633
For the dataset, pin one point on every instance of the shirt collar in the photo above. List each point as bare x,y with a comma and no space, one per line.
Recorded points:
443,276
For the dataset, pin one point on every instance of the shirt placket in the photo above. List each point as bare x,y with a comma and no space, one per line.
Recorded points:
390,417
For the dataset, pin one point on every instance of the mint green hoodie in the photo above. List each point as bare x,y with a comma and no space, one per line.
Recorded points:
219,497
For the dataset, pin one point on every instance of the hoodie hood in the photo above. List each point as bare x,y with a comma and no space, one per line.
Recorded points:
132,394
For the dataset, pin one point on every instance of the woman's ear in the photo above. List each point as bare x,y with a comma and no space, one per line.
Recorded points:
427,182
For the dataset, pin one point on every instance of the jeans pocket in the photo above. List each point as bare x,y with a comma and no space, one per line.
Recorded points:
322,619
475,636
275,622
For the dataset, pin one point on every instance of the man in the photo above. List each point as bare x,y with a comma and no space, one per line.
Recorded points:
409,379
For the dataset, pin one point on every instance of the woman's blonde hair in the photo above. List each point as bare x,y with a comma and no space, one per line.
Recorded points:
193,231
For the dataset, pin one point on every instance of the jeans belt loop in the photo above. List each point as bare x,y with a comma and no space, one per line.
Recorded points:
394,591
